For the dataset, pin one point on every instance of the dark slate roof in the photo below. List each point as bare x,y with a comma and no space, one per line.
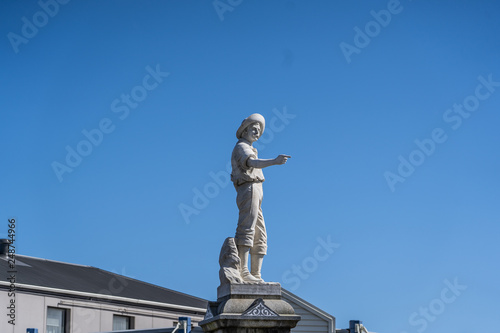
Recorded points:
53,274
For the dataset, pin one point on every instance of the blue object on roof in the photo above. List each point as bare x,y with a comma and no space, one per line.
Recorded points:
188,324
352,325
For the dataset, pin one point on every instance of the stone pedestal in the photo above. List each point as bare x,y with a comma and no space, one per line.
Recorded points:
249,308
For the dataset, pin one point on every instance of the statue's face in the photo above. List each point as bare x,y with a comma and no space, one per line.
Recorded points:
252,133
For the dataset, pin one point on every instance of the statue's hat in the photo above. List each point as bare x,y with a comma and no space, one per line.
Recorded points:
253,118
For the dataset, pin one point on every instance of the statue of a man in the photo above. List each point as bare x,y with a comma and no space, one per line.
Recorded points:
247,177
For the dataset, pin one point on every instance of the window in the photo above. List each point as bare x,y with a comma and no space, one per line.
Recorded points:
57,320
122,323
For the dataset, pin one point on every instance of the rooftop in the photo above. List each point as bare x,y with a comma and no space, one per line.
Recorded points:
87,279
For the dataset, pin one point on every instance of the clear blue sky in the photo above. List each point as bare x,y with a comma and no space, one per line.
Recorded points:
389,110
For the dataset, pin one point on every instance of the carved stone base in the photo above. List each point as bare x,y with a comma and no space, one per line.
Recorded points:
249,308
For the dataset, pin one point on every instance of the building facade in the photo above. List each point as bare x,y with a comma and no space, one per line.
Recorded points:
56,297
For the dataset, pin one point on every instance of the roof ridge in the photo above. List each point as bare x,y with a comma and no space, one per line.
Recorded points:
300,299
56,261
151,284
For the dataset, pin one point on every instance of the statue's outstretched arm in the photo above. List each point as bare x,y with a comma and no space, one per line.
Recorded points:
264,163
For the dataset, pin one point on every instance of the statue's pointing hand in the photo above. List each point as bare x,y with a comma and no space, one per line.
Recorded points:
281,159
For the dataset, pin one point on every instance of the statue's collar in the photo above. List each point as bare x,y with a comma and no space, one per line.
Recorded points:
246,141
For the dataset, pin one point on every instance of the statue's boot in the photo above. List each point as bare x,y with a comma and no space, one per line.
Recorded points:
243,252
256,262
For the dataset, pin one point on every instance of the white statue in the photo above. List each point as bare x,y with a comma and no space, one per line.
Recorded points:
247,177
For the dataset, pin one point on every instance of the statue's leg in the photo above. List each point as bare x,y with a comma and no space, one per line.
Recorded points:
249,211
243,252
249,206
259,248
257,266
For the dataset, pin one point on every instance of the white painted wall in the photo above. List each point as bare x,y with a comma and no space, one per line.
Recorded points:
85,316
312,319
309,322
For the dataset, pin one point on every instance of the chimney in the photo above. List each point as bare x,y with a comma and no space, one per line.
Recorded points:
352,325
4,247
